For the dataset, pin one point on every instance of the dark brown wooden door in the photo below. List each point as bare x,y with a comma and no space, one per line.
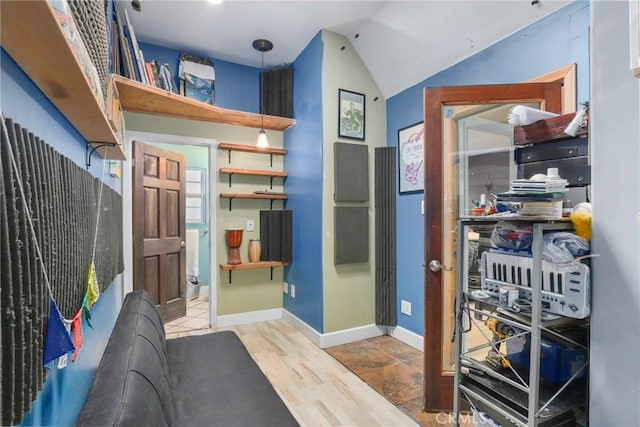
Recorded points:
438,381
159,263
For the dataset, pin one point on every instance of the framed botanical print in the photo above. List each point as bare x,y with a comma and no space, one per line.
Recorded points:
350,114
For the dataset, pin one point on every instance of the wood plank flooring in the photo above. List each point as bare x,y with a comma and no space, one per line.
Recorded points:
317,389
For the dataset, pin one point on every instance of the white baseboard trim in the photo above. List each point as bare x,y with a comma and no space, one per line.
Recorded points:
333,338
248,317
406,336
306,330
350,335
204,291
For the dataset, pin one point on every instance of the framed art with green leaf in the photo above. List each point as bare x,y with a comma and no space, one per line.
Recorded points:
350,114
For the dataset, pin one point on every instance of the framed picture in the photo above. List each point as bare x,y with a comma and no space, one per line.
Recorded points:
411,158
350,114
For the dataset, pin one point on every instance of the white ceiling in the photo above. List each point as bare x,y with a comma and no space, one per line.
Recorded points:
400,42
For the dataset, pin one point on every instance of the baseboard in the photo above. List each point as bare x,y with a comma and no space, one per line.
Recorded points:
332,338
406,336
306,330
204,290
248,317
350,335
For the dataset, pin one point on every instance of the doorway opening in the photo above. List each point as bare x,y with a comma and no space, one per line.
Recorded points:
198,217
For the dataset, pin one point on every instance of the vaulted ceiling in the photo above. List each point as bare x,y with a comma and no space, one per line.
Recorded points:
400,42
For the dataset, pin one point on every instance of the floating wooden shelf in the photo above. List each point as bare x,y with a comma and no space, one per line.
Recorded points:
33,37
251,149
252,172
252,265
141,98
278,196
271,197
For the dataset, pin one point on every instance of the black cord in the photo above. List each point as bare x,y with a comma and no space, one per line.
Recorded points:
464,308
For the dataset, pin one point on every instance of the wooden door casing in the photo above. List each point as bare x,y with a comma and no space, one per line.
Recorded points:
159,256
438,385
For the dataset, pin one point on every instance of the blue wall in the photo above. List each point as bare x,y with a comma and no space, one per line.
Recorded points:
63,395
551,43
64,392
237,86
304,186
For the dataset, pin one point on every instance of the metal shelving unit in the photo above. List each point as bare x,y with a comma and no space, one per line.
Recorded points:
515,396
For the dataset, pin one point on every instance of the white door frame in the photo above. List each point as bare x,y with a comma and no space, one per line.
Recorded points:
127,208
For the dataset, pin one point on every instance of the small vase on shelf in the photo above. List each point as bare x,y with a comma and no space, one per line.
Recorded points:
254,250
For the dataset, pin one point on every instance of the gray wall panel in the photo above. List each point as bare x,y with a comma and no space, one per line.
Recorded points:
351,172
351,234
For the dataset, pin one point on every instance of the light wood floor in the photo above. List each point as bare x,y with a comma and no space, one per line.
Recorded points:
316,388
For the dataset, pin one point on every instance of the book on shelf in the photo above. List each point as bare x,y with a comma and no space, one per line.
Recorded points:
155,74
128,69
137,56
167,78
149,72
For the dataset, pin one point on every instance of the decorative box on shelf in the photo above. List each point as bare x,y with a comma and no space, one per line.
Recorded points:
548,130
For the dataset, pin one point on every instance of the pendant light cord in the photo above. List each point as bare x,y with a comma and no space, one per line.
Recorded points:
261,92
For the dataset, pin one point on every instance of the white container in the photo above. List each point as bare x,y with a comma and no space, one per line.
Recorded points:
508,294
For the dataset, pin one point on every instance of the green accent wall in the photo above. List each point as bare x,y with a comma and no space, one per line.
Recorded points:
349,289
249,290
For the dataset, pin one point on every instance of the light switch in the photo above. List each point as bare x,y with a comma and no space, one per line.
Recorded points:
249,225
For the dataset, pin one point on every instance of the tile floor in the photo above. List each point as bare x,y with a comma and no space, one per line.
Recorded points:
393,369
197,318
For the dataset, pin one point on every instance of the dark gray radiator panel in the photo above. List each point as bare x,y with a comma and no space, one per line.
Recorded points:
385,240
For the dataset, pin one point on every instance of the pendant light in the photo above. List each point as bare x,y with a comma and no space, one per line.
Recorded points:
262,46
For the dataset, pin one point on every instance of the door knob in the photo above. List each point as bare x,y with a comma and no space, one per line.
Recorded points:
435,266
182,244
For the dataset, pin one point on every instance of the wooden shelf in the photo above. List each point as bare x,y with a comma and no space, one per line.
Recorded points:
253,196
33,37
141,98
252,172
252,265
251,149
271,197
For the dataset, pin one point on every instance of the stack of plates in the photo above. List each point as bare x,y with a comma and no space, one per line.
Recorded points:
549,185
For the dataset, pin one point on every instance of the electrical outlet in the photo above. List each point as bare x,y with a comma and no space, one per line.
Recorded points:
405,307
293,291
250,225
285,287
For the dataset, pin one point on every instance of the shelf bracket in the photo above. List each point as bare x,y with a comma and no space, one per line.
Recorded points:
271,159
230,276
271,204
271,273
230,179
230,199
229,156
271,182
92,150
